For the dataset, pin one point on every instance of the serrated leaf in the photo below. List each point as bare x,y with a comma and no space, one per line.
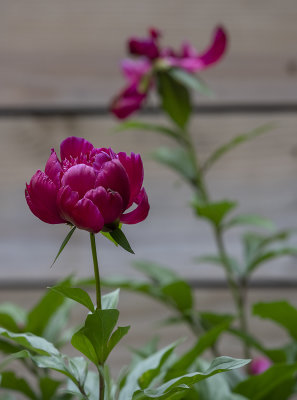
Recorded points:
218,153
9,380
119,237
64,243
144,126
214,212
77,294
249,219
177,159
175,98
190,81
280,312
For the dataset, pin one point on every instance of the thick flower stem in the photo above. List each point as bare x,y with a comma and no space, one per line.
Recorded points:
96,271
99,307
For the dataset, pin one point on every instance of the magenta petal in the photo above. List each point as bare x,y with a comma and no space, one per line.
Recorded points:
259,365
140,212
127,102
53,168
144,47
81,178
41,195
134,168
113,176
74,147
134,70
215,51
110,204
66,200
85,215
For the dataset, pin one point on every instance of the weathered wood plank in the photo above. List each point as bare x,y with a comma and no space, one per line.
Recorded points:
61,52
260,174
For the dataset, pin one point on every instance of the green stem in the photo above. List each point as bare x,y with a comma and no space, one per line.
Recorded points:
99,307
96,271
238,289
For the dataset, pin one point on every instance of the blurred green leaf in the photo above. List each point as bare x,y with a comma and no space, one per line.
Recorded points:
280,312
48,387
249,219
271,255
77,294
145,371
144,126
110,300
65,241
12,317
258,387
156,272
31,342
15,356
175,98
190,81
218,153
177,159
9,380
120,238
180,294
217,260
214,212
183,383
55,331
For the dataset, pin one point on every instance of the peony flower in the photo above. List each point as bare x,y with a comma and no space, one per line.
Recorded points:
151,57
259,365
90,188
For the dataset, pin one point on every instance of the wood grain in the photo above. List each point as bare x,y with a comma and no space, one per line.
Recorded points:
261,175
67,52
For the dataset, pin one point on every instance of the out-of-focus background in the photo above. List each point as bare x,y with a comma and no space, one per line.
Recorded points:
59,69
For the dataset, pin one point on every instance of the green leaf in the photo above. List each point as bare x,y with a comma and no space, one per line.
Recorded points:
76,294
179,294
128,284
190,81
15,356
40,316
156,272
280,312
12,317
217,260
177,159
121,240
65,241
182,383
249,219
92,339
214,212
9,380
218,153
145,371
258,387
175,99
144,126
205,341
31,342
110,300
48,387
270,255
54,331
117,335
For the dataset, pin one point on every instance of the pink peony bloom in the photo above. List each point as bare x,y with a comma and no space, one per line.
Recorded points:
90,188
259,365
131,98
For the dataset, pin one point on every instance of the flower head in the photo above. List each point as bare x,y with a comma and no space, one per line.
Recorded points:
89,187
151,55
259,365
